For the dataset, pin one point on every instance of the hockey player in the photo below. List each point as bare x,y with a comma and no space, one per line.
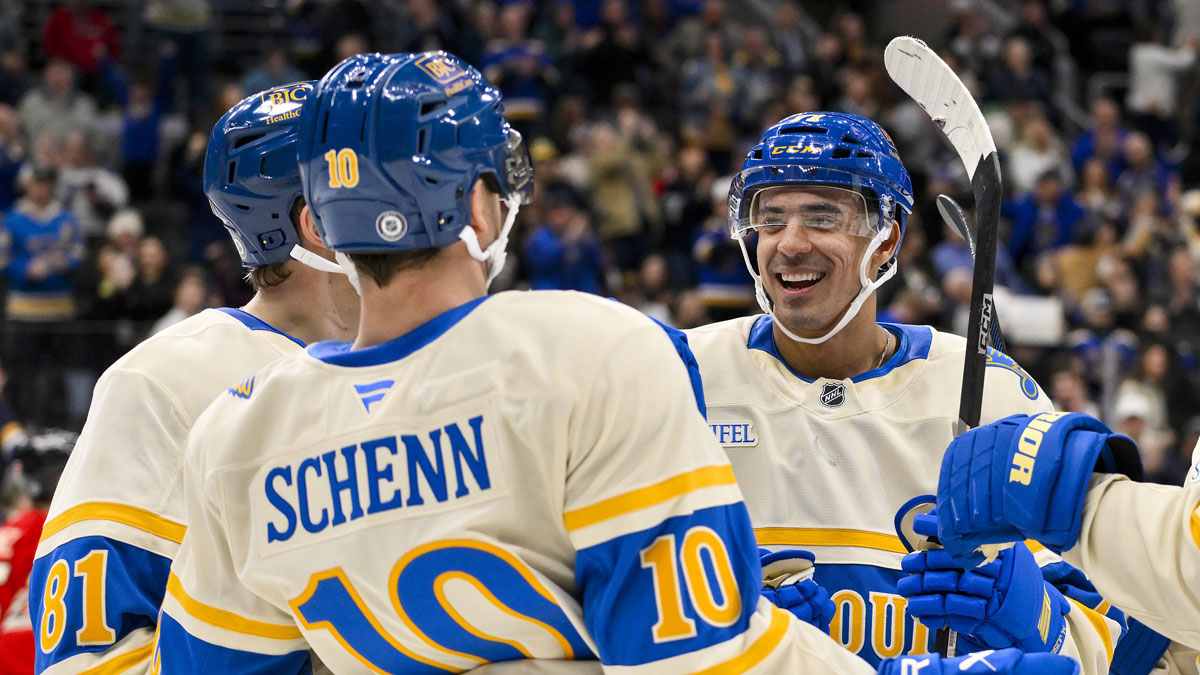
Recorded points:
118,517
832,420
477,478
1060,479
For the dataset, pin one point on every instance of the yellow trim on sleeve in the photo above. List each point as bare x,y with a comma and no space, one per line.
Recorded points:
123,662
756,652
650,495
1195,525
812,536
1033,546
228,620
118,513
1097,621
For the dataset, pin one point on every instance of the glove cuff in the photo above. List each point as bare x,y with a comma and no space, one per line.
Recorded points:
1051,631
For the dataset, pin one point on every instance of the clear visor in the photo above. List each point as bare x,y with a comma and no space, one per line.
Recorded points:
820,207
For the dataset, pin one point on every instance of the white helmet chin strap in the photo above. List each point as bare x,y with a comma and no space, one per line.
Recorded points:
495,254
868,287
343,265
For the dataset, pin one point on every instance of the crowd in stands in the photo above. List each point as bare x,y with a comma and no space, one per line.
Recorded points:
637,113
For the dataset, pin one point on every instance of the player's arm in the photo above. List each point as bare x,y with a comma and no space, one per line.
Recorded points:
667,565
210,621
101,566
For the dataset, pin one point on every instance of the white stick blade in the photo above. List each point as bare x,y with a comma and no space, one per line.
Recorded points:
926,78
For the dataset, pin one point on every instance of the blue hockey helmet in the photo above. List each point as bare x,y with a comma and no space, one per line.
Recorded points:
831,152
251,176
392,146
825,149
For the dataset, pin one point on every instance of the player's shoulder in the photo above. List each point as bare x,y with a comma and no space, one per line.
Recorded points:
1009,387
565,315
722,334
204,340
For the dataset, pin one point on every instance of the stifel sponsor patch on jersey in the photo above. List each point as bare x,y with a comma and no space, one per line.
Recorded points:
735,433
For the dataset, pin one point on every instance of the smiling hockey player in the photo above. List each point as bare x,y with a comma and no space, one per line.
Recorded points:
832,420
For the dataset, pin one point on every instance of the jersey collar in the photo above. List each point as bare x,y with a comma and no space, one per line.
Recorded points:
338,353
254,323
914,342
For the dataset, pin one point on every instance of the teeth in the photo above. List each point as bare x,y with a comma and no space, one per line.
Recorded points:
803,276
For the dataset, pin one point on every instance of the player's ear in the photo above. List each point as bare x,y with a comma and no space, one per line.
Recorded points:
888,248
485,212
307,229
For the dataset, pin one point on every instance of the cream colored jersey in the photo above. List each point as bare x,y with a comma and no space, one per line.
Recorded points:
118,516
525,476
824,465
1140,543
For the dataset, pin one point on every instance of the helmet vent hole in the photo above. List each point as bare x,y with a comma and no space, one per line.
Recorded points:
362,129
431,180
851,139
243,207
422,141
840,153
864,153
246,140
324,126
757,153
232,172
803,130
274,216
432,106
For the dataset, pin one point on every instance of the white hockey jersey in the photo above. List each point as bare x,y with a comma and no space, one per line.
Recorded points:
524,476
118,515
824,466
1140,544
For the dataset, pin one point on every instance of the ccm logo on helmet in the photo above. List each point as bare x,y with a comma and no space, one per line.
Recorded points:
796,150
1027,447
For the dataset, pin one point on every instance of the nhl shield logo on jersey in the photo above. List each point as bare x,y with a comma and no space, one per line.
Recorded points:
833,394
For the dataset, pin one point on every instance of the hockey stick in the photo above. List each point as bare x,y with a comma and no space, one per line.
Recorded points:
926,78
953,214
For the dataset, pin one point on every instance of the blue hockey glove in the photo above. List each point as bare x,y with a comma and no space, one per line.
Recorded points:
1022,478
788,584
1005,603
1003,662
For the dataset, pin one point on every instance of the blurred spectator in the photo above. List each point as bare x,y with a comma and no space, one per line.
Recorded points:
621,199
186,24
1096,193
152,292
758,72
1143,171
147,102
690,311
791,36
688,39
40,246
1077,262
1037,151
1069,393
970,38
422,26
57,108
915,294
14,75
685,205
1034,28
83,35
191,296
12,156
1042,220
1103,139
1016,78
521,69
726,287
275,71
953,253
652,293
564,252
615,52
709,98
1154,70
92,192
